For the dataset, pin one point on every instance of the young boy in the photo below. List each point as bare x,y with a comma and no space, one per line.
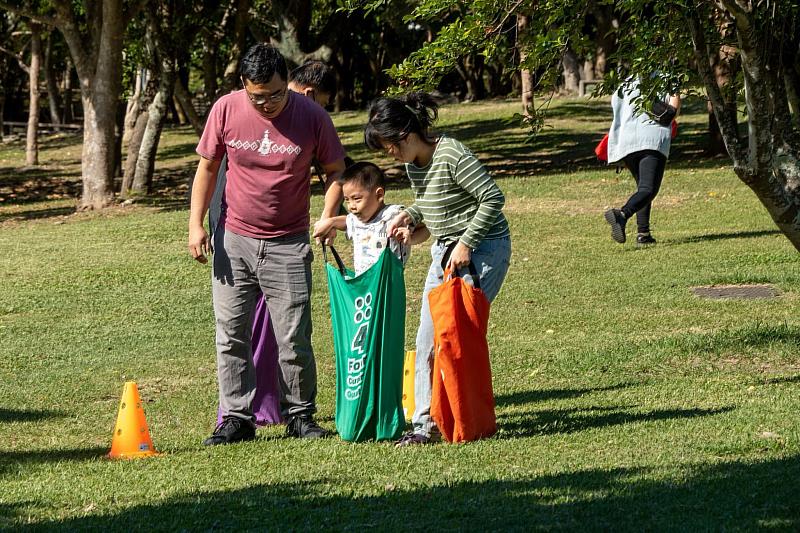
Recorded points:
363,186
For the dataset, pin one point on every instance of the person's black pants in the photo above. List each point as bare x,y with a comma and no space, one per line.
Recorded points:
647,168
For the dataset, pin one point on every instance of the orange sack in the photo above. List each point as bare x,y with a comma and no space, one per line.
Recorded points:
462,402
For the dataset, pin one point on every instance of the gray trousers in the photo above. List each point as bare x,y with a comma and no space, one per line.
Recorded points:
280,268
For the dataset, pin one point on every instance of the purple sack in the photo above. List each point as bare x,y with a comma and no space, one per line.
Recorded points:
266,404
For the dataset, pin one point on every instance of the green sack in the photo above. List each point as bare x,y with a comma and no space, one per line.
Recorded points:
368,316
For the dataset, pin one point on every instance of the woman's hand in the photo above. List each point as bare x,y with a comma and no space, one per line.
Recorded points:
324,232
401,220
461,256
402,235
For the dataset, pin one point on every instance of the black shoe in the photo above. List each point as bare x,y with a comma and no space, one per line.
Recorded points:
645,239
616,219
230,430
304,427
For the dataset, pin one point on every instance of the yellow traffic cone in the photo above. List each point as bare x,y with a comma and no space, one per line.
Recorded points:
131,436
408,383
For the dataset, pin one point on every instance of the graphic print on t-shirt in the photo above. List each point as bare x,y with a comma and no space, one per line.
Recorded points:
369,238
264,147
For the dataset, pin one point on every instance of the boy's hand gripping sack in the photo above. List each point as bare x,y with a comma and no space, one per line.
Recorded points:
368,316
462,402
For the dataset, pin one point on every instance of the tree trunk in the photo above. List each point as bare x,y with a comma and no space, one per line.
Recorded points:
792,82
135,105
100,76
588,70
471,70
770,163
526,76
97,164
571,71
145,164
68,93
134,143
209,68
231,74
32,140
177,109
604,42
119,131
716,143
185,102
2,110
53,95
165,60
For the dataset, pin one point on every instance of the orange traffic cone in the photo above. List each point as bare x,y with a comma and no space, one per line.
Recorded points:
131,436
408,383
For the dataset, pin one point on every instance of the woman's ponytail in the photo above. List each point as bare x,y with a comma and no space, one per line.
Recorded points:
393,119
424,107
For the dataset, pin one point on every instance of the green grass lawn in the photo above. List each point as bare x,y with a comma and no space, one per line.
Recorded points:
624,402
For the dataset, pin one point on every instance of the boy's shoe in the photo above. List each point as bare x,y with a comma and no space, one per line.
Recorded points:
411,439
304,427
616,220
230,430
644,240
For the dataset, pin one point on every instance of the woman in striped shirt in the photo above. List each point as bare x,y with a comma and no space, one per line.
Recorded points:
461,205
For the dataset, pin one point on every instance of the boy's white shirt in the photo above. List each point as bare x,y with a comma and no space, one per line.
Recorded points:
369,238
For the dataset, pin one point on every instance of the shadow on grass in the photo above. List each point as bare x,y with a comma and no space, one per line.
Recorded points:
177,151
724,496
10,458
554,422
710,237
26,185
534,396
34,214
780,380
27,415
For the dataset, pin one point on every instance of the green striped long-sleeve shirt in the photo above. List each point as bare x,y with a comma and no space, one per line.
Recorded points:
456,197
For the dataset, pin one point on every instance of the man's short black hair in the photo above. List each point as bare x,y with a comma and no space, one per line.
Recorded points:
317,75
261,62
367,175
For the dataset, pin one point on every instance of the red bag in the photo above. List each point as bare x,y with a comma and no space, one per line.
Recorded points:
462,402
674,130
601,150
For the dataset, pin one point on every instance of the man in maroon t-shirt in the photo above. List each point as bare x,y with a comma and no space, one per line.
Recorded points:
261,245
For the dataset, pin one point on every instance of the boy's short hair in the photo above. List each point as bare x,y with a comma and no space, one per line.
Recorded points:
367,175
315,74
261,62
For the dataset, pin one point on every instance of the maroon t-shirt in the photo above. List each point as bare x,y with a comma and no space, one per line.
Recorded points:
269,162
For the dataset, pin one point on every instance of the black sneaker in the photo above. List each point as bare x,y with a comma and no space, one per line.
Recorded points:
304,427
230,430
616,219
645,239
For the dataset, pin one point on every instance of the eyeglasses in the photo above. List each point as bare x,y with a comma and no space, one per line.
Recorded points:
261,100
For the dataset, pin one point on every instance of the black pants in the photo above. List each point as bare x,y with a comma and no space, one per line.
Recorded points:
647,168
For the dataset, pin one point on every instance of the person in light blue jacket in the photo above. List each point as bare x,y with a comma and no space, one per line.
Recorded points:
642,141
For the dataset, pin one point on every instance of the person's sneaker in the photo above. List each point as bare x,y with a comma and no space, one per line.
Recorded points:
304,427
645,239
412,439
616,219
231,429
